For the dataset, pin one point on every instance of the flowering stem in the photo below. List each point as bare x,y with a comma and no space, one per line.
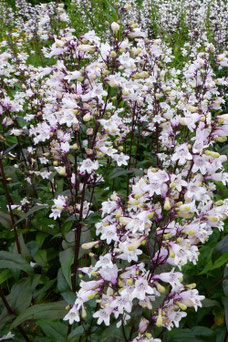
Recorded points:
77,235
131,143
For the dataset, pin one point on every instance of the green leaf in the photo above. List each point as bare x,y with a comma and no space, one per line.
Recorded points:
76,332
4,275
69,297
62,284
5,220
66,259
226,311
19,298
220,248
225,282
120,172
57,330
40,294
112,334
31,211
196,334
14,261
209,303
50,311
40,237
218,263
41,257
24,250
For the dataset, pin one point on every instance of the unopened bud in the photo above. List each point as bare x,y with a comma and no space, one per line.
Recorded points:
191,286
133,246
120,283
159,319
212,218
84,314
151,215
87,117
192,109
184,208
181,306
130,281
148,335
167,204
171,253
212,154
75,146
115,27
139,195
89,245
113,54
220,139
119,213
92,295
188,232
124,220
160,288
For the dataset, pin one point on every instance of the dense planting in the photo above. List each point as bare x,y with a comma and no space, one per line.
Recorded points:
113,164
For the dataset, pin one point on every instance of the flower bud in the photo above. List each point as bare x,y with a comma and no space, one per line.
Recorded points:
191,286
220,139
139,195
159,319
133,246
192,109
75,146
62,171
171,253
143,325
130,281
151,215
212,218
84,314
92,295
113,54
160,288
148,335
87,117
115,27
89,245
181,306
124,220
212,154
167,204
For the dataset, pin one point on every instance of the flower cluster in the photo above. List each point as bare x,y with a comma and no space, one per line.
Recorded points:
85,115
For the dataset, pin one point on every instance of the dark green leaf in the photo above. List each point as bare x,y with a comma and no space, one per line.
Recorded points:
5,219
4,275
57,330
225,281
76,332
220,248
14,261
31,211
66,259
226,311
50,311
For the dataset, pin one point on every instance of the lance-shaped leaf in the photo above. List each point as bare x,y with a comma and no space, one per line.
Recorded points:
50,311
14,262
